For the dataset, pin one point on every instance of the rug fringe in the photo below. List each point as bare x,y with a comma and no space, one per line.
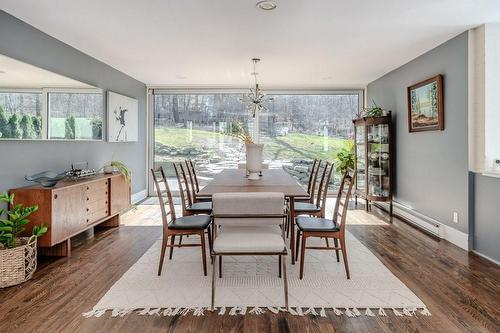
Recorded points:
349,313
242,310
199,312
425,312
257,311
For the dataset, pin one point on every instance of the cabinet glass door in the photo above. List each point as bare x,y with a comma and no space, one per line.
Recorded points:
378,160
360,155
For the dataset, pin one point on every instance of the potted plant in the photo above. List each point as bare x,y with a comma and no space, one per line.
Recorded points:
346,158
254,150
17,254
117,166
373,111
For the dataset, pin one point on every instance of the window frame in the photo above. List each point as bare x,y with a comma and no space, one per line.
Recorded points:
45,112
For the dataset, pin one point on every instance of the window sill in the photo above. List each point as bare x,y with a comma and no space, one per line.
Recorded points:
493,174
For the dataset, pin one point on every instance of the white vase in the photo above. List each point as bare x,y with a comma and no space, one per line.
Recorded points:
254,160
108,169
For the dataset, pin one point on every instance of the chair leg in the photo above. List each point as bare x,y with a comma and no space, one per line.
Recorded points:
162,255
327,242
297,247
285,282
302,254
344,256
180,239
172,240
209,234
214,259
203,252
336,243
288,226
279,266
220,267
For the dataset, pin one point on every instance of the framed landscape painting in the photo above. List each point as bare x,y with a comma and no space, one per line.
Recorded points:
122,118
425,105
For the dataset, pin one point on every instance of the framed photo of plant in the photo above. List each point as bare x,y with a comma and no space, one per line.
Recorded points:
425,105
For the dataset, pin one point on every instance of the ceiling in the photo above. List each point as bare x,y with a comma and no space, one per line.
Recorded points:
17,74
314,44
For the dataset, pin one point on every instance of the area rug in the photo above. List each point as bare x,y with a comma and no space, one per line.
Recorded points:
251,285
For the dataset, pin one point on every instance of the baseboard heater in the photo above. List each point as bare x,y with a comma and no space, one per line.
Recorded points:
420,221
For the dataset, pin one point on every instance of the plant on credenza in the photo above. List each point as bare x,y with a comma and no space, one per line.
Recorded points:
117,166
17,254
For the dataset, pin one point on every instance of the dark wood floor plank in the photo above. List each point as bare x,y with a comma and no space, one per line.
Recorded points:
462,290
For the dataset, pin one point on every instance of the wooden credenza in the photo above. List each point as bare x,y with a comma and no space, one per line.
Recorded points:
72,207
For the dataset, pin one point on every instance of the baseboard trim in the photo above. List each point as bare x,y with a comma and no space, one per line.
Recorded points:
486,257
138,196
429,225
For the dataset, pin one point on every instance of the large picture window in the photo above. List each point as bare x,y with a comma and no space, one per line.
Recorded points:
296,129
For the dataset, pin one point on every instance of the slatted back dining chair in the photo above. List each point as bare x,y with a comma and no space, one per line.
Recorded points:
249,224
164,197
173,226
323,188
334,228
318,207
189,206
193,174
311,185
186,201
193,182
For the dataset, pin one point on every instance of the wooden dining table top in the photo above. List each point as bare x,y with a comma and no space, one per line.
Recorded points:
272,180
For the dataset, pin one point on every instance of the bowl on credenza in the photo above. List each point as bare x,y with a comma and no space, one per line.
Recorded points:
46,178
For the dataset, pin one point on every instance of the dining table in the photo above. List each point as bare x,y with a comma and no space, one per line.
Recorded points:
271,180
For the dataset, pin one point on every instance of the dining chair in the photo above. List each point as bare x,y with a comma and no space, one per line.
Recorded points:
311,184
249,224
178,226
317,208
193,180
188,206
308,226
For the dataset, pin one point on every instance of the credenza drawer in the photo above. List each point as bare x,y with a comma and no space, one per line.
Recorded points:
97,206
97,185
95,215
97,195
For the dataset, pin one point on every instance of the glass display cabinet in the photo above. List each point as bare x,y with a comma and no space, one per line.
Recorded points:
374,157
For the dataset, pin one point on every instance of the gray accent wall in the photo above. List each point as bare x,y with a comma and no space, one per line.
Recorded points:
431,168
486,226
18,158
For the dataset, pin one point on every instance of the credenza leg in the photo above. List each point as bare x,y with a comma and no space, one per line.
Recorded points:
59,250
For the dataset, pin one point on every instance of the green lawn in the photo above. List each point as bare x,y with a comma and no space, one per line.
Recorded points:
286,147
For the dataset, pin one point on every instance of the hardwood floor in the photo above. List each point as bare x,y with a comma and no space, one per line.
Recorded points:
461,290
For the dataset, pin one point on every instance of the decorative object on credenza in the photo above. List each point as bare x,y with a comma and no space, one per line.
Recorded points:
373,158
80,170
17,254
123,118
254,151
425,105
255,100
46,178
117,166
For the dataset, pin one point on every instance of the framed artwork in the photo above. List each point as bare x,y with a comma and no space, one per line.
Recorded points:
425,105
123,118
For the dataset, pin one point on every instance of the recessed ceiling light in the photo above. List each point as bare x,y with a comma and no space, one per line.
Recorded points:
180,77
266,5
2,72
